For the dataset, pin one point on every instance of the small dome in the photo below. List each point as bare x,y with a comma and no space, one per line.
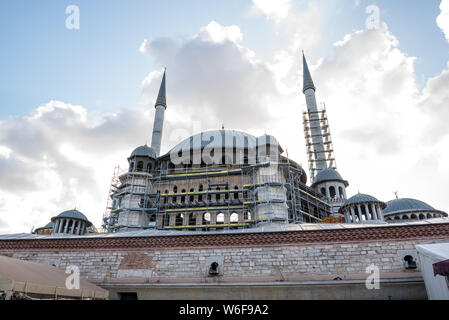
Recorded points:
72,214
328,174
362,198
406,205
144,151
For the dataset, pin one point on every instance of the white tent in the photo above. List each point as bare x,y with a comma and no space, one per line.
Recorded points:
437,286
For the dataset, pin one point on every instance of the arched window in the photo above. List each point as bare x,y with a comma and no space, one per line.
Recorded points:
413,216
206,218
422,217
429,216
175,190
323,191
234,217
179,219
131,166
149,167
217,196
166,197
200,189
236,194
404,217
332,191
340,193
209,195
183,197
220,218
192,197
140,166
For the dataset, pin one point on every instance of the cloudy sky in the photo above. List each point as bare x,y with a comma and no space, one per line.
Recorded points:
75,102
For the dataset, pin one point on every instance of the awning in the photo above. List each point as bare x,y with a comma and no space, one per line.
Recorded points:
441,268
36,278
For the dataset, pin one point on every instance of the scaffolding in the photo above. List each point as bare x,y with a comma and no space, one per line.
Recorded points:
213,197
318,150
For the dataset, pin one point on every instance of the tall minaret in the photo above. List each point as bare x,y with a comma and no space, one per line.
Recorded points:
161,105
317,134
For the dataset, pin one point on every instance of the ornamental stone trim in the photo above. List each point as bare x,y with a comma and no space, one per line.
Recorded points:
366,234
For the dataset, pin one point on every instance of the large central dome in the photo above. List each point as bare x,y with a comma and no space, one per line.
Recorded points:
224,139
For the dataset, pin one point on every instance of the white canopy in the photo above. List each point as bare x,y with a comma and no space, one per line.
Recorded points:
437,286
36,278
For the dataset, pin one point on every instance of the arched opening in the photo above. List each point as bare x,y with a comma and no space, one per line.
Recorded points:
200,189
209,195
236,194
429,216
422,216
183,197
206,218
340,193
413,217
332,191
234,217
217,196
192,219
179,219
397,218
192,197
220,218
165,197
364,213
175,190
131,166
405,217
140,166
323,191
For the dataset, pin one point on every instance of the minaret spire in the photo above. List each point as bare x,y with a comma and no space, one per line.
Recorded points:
161,106
161,97
318,139
307,78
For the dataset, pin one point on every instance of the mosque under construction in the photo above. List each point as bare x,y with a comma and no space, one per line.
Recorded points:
227,215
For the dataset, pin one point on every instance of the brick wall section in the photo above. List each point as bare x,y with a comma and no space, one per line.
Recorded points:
245,257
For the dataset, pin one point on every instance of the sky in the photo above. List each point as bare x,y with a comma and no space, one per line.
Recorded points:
77,95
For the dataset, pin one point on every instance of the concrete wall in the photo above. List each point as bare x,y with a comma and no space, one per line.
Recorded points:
399,289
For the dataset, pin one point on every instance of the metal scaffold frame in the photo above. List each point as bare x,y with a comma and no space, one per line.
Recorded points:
302,203
319,118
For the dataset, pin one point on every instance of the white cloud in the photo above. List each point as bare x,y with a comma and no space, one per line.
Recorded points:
388,135
213,76
59,158
276,10
443,18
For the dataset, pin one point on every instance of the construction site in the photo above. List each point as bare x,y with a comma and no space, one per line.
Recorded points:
211,197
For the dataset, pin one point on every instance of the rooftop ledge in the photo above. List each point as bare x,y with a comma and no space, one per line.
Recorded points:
274,228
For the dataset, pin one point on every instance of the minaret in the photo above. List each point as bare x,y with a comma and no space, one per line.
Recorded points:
161,105
317,134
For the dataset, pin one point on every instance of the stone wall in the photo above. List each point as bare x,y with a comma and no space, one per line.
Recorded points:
294,263
248,258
